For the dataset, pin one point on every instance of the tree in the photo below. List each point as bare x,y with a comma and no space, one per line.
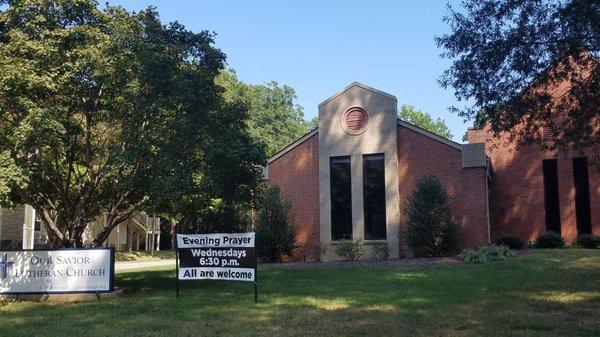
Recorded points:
11,177
313,123
274,117
100,109
275,232
424,120
527,63
430,229
213,190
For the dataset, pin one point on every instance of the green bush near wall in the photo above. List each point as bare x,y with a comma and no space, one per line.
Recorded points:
549,240
588,241
485,254
511,241
350,249
275,232
431,229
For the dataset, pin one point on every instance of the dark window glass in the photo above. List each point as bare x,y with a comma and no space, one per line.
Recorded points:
374,196
551,197
37,224
582,195
341,198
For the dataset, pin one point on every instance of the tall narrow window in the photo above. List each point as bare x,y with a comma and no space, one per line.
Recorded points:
551,197
374,197
582,195
37,223
341,198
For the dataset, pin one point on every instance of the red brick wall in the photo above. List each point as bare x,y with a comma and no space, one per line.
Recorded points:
296,173
517,190
419,155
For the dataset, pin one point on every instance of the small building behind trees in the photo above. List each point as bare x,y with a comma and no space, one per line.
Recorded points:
21,228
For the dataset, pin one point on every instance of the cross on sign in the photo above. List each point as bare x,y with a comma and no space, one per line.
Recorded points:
4,264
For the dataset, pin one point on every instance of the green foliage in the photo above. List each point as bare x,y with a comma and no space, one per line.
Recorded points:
485,254
350,249
381,251
430,229
588,241
107,110
500,48
424,120
313,123
11,178
274,117
549,240
275,232
511,241
220,217
316,252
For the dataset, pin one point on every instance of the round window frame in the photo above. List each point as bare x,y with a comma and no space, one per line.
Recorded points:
345,126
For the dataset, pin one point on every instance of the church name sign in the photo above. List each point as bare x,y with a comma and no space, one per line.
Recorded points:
59,271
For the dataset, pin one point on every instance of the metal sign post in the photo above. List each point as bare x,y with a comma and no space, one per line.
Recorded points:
176,261
177,269
255,277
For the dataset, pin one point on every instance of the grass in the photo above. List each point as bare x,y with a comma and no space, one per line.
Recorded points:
144,255
545,293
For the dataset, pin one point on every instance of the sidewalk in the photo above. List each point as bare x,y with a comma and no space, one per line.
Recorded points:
129,265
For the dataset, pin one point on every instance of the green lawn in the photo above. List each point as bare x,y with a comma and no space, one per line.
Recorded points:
545,293
144,255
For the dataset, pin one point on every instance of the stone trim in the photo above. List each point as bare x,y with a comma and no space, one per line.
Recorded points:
357,84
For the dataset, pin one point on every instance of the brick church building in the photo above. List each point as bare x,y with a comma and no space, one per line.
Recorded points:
351,176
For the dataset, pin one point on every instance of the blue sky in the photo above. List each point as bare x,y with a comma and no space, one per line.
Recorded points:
319,47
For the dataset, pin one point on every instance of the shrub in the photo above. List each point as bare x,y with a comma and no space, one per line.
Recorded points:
549,240
381,251
275,233
318,251
350,249
588,241
430,229
485,254
511,241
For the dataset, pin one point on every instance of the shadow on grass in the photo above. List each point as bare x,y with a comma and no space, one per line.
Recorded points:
541,294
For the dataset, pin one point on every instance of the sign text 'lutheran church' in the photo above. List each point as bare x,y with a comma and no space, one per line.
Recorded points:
216,257
57,271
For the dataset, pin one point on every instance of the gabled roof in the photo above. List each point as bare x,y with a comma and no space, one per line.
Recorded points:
357,84
294,144
473,155
429,134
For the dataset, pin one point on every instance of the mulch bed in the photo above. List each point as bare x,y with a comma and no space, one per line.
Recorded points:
436,261
398,263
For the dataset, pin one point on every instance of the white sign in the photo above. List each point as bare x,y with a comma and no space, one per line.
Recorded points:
56,271
216,257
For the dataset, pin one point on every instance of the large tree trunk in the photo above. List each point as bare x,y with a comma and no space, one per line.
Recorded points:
113,219
172,231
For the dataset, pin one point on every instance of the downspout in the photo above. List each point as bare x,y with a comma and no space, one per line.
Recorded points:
488,178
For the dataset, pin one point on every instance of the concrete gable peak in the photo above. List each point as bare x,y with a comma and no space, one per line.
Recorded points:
360,85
